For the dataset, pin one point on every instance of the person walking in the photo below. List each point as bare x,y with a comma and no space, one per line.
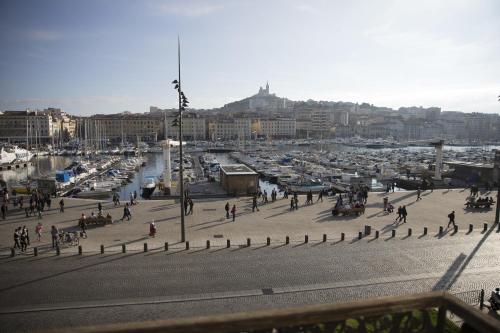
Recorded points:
99,208
186,206
233,212
191,204
152,229
38,231
227,210
24,241
320,196
25,230
404,213
292,204
39,209
254,203
21,203
400,214
131,199
4,210
61,206
451,218
83,225
418,193
432,186
296,202
49,202
55,236
17,235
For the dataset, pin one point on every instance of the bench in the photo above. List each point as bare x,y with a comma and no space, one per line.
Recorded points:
485,204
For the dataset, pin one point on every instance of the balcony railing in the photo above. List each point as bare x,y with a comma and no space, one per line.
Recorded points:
429,312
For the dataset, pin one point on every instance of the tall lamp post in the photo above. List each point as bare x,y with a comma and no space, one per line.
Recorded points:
183,103
497,167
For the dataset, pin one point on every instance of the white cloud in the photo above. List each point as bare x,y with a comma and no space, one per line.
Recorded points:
187,8
44,35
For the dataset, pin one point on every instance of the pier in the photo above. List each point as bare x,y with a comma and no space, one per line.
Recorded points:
13,166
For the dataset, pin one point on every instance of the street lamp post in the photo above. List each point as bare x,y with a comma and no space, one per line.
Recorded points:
183,103
497,167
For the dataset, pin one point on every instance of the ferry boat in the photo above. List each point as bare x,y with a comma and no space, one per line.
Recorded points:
148,186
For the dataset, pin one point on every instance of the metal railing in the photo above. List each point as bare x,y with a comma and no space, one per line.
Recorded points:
416,313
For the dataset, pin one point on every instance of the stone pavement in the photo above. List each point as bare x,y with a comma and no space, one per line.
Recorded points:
274,220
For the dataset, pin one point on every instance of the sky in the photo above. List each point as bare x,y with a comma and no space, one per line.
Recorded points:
108,56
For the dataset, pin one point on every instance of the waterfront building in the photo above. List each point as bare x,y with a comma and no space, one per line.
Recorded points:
229,128
124,126
18,126
278,128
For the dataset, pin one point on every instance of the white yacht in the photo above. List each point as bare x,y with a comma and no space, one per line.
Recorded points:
22,154
7,155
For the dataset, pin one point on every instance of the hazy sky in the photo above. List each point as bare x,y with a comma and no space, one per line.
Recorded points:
109,56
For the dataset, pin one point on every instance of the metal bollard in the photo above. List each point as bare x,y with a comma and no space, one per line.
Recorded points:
425,231
124,248
376,234
485,227
368,230
58,250
287,240
455,229
440,230
208,244
102,249
306,239
360,235
393,233
324,238
409,232
35,251
12,252
228,243
471,227
187,245
481,299
166,246
268,241
249,242
145,247
342,236
80,250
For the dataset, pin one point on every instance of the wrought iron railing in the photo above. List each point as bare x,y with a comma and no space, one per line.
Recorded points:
424,313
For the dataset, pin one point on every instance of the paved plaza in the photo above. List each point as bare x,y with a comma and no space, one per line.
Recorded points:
274,220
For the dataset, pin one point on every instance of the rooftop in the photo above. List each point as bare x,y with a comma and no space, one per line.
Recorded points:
237,169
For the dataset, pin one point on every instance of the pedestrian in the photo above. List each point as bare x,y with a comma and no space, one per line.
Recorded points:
292,203
186,206
233,212
21,203
296,202
393,186
99,207
49,202
320,196
25,230
39,208
24,241
4,210
404,213
432,187
254,203
265,197
61,205
400,214
227,210
451,218
152,229
83,225
126,212
131,199
55,236
38,231
17,235
191,204
418,193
